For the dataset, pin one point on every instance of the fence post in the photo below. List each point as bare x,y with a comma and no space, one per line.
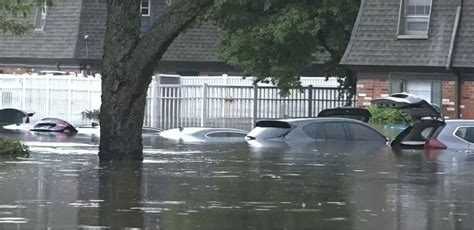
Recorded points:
69,99
226,79
159,102
48,96
23,93
310,100
204,105
151,106
255,105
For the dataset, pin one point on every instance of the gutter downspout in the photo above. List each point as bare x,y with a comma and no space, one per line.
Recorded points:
449,62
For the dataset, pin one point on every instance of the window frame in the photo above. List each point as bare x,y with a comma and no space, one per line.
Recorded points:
459,127
404,19
43,15
147,8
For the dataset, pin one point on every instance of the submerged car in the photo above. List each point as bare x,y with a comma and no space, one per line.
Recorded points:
339,124
54,125
429,129
11,116
198,134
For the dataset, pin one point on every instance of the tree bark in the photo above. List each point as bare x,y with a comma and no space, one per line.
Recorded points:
128,63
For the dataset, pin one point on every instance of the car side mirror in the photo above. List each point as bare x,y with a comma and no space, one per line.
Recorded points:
94,124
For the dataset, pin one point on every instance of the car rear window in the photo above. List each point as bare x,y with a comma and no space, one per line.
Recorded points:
273,124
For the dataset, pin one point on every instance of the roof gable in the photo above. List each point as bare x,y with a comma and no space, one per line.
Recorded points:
374,39
57,41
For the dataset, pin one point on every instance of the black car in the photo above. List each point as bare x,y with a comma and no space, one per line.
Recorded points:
11,116
54,125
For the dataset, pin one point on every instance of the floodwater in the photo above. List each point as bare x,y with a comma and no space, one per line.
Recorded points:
235,186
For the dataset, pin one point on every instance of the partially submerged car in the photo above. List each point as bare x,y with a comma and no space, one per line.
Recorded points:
340,124
10,116
199,134
54,125
429,129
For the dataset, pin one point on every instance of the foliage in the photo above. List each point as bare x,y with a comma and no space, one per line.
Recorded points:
385,115
13,15
279,39
91,114
10,148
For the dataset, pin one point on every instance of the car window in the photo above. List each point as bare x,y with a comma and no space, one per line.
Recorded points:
426,133
9,116
363,133
465,133
226,134
315,131
334,131
235,134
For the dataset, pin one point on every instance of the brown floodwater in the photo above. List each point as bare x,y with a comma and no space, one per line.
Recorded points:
327,185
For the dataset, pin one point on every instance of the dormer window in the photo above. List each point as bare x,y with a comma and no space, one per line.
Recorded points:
145,7
414,18
40,20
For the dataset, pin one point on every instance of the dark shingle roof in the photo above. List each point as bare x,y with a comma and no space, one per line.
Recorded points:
374,40
92,23
57,41
196,44
464,47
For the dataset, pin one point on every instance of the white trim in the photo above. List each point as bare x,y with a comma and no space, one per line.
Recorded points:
42,20
148,8
412,36
404,18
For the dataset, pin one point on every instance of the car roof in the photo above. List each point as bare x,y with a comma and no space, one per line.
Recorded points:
319,119
460,122
191,130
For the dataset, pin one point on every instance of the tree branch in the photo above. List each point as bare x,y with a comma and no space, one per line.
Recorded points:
178,17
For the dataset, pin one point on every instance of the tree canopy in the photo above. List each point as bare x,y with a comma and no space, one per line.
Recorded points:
279,39
13,11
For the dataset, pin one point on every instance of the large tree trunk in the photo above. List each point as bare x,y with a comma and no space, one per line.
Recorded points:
129,59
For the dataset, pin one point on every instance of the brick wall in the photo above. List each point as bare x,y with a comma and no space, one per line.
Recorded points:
467,100
368,89
448,100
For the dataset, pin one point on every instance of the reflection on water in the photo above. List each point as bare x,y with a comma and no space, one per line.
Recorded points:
327,185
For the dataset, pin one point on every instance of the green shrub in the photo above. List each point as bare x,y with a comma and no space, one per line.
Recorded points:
385,115
10,148
91,114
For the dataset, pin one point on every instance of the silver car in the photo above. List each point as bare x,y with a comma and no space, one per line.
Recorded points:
315,129
201,134
429,129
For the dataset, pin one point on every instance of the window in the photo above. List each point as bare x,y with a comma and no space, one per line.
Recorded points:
362,133
414,18
145,7
334,131
314,131
465,133
40,20
226,134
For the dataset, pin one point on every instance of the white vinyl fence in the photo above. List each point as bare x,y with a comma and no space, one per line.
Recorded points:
50,96
224,102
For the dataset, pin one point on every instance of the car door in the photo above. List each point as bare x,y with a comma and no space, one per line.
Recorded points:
326,131
465,134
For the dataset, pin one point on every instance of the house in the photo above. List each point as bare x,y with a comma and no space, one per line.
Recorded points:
69,36
425,47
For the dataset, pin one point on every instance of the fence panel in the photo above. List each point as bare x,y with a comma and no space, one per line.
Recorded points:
223,104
